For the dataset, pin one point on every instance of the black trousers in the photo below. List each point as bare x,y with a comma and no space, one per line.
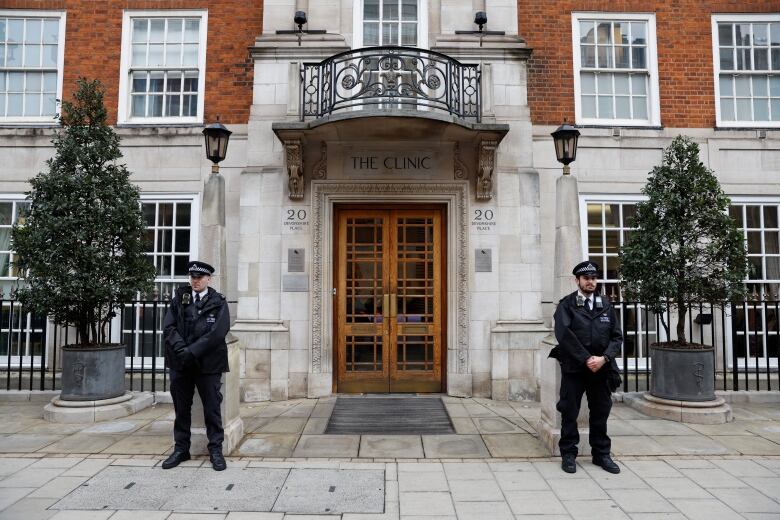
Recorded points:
595,386
183,384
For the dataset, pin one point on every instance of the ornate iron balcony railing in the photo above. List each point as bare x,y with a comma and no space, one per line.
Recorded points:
390,78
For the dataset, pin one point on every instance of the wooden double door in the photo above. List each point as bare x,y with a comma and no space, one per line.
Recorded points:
389,301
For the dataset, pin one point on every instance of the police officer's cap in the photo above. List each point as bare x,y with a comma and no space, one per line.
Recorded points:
198,268
586,268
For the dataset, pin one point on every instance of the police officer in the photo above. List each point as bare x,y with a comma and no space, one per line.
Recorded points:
589,338
196,353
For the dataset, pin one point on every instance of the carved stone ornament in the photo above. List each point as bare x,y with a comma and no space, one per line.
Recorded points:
487,161
294,152
320,170
461,172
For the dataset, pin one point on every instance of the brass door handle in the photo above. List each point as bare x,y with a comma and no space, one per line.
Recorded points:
385,305
393,305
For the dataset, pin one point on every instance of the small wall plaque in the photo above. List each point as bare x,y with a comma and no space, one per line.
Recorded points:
295,283
296,259
483,260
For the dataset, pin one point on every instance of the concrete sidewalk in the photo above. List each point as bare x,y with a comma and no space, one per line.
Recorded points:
494,467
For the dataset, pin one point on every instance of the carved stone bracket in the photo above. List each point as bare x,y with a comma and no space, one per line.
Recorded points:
320,170
294,152
461,171
487,161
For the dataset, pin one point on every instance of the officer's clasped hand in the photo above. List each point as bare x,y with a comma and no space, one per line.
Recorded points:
595,363
185,357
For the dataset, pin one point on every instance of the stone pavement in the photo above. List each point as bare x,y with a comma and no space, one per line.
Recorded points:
493,468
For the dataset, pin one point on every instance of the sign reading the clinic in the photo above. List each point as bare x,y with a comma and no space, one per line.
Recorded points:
391,163
295,219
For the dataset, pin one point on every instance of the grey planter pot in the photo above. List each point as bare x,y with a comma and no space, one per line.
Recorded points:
683,374
93,373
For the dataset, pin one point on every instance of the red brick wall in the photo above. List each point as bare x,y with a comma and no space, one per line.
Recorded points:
93,46
684,42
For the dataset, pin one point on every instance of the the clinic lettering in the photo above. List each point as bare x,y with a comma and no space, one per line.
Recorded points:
391,162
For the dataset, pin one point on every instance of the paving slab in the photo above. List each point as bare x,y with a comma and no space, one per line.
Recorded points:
284,424
391,446
58,487
31,477
641,501
422,481
315,426
160,427
534,503
515,445
87,468
521,481
328,491
426,504
115,427
11,465
767,486
584,489
268,445
638,445
48,428
652,468
464,425
495,425
709,478
660,427
454,447
327,446
136,515
747,500
744,468
142,445
590,509
749,445
694,445
467,471
498,510
705,509
234,489
10,495
82,443
25,443
29,509
475,491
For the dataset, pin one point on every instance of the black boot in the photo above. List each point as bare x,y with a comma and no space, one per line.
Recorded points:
176,458
217,460
606,462
568,463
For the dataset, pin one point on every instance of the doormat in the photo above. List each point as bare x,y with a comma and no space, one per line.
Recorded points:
389,416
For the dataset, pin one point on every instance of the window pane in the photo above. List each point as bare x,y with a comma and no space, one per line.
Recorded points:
174,82
32,105
389,34
182,241
175,30
743,59
138,106
191,82
173,105
156,82
742,84
50,56
761,109
49,81
774,34
587,83
640,107
726,86
743,110
594,215
140,30
588,106
760,59
742,32
725,34
155,55
192,31
2,29
15,105
776,59
620,33
639,84
753,214
604,56
760,86
605,83
622,57
588,55
622,107
33,82
190,106
639,57
775,108
33,32
409,10
13,55
727,109
770,217
15,30
370,33
371,9
587,32
139,55
173,55
183,214
409,34
155,106
2,54
49,107
639,33
621,84
774,86
32,55
16,81
157,30
51,31
760,35
604,32
139,82
605,107
390,10
190,55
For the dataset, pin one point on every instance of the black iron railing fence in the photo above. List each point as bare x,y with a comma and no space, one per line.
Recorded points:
30,346
745,335
390,77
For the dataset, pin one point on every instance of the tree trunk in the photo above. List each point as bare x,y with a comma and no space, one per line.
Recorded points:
681,323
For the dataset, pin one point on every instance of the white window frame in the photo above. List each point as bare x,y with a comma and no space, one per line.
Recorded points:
422,24
39,120
146,363
736,18
653,98
123,115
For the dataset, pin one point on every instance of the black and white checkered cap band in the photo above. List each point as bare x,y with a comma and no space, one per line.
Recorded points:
590,268
199,269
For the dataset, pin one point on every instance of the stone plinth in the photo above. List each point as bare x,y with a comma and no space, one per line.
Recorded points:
60,411
231,419
716,411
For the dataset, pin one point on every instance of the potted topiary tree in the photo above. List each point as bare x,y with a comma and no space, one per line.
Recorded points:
686,250
80,250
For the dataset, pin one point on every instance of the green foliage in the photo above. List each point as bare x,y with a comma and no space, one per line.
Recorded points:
686,248
81,246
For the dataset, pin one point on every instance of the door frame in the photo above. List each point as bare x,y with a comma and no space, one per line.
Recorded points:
442,208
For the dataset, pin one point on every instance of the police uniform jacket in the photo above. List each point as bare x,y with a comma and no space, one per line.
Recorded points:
200,327
582,333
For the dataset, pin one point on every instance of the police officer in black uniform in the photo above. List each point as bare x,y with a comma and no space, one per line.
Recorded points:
589,339
196,353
